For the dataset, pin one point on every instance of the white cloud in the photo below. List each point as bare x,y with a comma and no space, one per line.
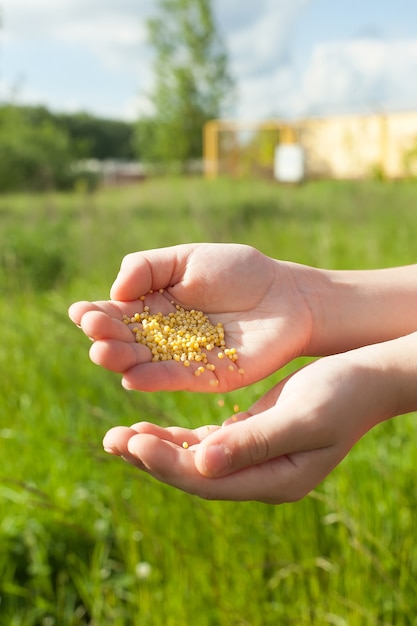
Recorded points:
264,43
360,74
118,41
277,71
116,32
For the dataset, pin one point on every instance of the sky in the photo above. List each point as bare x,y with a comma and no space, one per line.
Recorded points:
289,58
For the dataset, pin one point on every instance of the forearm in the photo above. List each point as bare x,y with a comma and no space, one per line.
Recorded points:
398,357
356,308
386,375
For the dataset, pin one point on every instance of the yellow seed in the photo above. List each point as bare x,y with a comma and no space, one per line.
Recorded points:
185,445
241,370
236,408
180,335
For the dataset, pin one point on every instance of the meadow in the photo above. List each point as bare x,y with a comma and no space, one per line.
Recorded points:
87,539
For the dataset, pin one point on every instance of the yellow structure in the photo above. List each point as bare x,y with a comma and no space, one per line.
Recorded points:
351,146
212,131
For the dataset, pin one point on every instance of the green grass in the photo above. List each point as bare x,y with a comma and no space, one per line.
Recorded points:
86,539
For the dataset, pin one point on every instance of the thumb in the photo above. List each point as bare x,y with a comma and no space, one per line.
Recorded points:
253,441
150,269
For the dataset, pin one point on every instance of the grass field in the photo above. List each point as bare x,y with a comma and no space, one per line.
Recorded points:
86,539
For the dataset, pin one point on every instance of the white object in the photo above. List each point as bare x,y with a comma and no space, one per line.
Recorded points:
289,163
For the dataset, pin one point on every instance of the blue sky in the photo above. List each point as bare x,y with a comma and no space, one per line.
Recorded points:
290,58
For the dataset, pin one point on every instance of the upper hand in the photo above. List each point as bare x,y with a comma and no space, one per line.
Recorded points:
256,298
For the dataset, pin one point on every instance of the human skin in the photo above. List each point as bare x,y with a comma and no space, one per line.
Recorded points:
272,311
291,438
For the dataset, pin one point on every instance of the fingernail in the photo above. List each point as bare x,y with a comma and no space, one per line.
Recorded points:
111,450
217,460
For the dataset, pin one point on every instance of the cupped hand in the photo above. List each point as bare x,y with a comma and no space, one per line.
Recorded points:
280,449
256,298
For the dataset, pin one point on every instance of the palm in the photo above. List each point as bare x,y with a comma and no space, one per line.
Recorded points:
263,315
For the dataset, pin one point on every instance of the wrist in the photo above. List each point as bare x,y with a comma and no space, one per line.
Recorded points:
401,356
353,308
387,372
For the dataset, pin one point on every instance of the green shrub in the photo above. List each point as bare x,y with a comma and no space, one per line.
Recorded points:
32,156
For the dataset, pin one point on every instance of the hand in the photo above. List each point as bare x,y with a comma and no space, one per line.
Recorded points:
284,446
256,298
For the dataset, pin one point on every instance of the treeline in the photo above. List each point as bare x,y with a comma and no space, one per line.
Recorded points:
38,148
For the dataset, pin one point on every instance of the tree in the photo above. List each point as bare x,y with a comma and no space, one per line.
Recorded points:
98,138
32,156
192,80
38,148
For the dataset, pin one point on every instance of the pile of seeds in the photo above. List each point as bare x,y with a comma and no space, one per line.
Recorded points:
183,336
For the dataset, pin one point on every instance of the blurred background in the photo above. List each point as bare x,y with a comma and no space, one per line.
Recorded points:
289,125
112,89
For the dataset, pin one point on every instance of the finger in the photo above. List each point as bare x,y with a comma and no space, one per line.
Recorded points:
140,373
118,356
176,434
116,439
169,376
115,310
174,465
152,269
99,325
173,376
115,442
258,439
284,479
78,309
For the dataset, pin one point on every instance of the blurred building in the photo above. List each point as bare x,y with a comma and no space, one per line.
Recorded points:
344,147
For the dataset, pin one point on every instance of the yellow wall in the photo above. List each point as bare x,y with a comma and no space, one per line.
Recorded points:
360,146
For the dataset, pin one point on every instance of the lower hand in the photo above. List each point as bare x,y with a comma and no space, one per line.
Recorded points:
282,447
